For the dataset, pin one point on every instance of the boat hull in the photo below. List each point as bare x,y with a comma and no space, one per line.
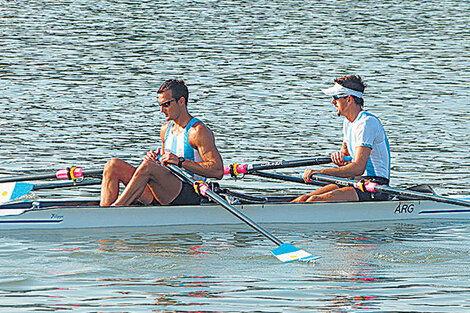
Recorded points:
62,217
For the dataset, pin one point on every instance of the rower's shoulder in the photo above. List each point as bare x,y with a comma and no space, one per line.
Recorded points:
198,124
368,114
370,117
200,130
199,127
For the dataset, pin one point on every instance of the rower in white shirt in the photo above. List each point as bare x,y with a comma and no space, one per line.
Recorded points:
364,139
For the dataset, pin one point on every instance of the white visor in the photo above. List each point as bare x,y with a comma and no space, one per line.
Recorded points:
338,90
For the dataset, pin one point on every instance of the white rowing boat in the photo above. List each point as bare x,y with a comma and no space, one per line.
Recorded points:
59,214
421,204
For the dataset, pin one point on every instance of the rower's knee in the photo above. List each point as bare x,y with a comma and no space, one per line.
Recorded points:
111,167
301,198
145,168
312,199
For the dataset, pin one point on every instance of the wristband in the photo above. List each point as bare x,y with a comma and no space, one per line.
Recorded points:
180,161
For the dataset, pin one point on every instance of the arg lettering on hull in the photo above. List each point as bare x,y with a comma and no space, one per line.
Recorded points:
405,208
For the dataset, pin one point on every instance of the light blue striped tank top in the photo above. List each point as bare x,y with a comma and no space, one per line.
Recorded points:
180,146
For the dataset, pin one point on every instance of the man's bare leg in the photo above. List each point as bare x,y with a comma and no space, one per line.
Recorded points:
164,184
338,195
319,191
117,171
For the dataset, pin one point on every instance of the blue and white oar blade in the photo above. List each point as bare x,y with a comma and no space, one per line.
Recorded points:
288,252
12,191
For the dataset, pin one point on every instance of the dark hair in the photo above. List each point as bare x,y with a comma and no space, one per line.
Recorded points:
354,82
178,89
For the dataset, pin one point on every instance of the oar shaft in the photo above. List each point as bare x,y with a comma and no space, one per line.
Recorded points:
66,184
14,190
334,180
288,164
242,216
374,187
287,178
10,179
248,168
74,172
419,195
216,198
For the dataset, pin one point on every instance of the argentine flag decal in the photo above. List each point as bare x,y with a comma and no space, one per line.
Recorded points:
12,191
288,253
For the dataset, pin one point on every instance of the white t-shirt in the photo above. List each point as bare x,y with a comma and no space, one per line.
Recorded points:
367,131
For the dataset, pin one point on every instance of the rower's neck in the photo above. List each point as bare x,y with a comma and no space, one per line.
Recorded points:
353,114
181,122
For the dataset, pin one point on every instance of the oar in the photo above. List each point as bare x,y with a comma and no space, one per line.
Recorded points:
286,252
237,169
287,178
374,187
13,190
66,173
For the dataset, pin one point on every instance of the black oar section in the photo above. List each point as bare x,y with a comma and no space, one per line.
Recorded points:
237,169
68,173
65,184
287,178
286,252
9,179
374,187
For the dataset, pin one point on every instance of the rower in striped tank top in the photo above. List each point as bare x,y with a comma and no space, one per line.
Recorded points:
186,142
179,144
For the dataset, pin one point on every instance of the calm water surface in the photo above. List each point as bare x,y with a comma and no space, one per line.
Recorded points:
78,83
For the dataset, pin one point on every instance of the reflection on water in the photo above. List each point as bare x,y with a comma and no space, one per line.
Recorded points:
364,266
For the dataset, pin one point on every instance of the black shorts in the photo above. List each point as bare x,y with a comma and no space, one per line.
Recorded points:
372,196
186,196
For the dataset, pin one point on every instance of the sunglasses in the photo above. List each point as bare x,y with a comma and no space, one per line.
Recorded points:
336,97
167,104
